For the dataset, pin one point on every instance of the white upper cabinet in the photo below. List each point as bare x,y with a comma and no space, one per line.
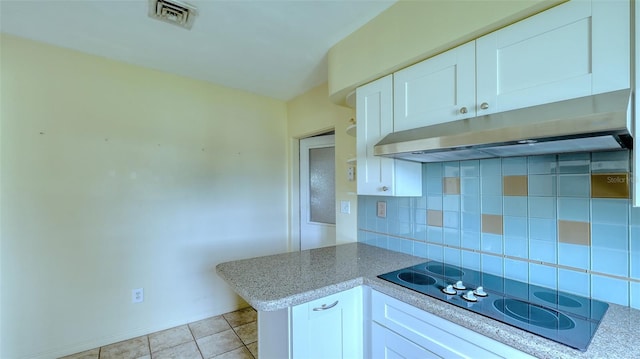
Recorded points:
379,175
440,89
575,49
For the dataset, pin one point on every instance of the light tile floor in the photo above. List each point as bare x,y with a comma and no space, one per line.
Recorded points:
229,336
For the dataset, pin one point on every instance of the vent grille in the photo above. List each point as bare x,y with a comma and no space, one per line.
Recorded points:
173,12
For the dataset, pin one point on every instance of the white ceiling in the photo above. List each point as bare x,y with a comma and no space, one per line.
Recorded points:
273,48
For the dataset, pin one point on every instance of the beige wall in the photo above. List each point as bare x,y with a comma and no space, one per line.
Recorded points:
310,114
115,177
410,31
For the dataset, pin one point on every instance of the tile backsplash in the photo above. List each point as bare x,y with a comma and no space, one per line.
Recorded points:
561,221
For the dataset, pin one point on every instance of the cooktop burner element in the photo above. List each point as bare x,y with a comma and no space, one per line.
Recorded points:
563,317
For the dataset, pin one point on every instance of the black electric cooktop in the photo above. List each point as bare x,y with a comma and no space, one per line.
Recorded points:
562,317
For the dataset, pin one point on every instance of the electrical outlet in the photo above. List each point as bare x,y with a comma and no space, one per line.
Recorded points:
382,209
351,173
137,295
345,207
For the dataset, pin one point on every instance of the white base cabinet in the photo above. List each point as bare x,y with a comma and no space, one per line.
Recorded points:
400,330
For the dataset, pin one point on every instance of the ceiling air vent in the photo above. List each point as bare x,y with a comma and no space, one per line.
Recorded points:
173,12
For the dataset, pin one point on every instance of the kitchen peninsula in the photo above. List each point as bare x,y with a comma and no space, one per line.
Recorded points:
280,282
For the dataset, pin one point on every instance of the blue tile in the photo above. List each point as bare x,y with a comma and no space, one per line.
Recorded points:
470,168
491,185
635,252
514,166
574,163
451,219
610,289
452,237
518,270
406,246
420,216
451,169
578,185
635,295
542,207
452,256
573,255
542,164
634,216
491,204
471,240
470,204
542,185
433,169
451,202
420,232
434,234
515,206
434,202
610,236
419,202
471,222
543,229
402,201
544,251
610,261
491,243
435,252
434,185
404,214
382,225
515,227
491,167
516,247
544,276
492,264
612,161
574,209
610,211
471,260
470,186
420,249
394,244
574,282
381,241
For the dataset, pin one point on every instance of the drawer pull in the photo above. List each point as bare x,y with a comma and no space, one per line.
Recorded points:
325,307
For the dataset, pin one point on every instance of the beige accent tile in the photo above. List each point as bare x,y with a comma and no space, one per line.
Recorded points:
451,185
240,353
209,326
253,348
434,218
492,223
188,350
128,349
248,333
515,186
169,338
219,343
242,316
610,185
89,354
573,232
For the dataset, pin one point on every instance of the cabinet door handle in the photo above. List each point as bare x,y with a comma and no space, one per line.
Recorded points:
325,307
385,188
463,110
484,106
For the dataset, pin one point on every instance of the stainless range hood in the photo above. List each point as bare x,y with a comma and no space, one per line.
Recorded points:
592,123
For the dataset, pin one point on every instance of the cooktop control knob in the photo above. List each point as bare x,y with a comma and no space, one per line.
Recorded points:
449,290
480,292
469,296
459,285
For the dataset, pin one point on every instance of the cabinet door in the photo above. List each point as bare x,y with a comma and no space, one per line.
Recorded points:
379,175
439,89
330,327
386,344
576,49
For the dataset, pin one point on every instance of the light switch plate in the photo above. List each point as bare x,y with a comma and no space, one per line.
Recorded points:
345,207
382,209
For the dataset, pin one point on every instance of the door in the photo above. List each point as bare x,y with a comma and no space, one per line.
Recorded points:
317,192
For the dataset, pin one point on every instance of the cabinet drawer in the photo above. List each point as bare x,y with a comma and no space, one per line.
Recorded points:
436,334
390,345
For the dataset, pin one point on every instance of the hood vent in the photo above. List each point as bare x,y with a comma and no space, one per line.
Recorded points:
173,12
592,123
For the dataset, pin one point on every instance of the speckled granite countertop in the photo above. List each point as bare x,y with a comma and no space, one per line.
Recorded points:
279,281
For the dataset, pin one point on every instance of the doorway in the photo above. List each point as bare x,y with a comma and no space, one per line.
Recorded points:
317,192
